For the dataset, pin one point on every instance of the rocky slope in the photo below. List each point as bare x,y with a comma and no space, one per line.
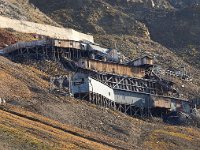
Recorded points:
111,23
22,9
33,118
177,29
133,26
10,37
87,17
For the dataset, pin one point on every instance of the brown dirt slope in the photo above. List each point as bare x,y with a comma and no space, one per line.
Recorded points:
17,80
9,37
25,130
24,127
33,118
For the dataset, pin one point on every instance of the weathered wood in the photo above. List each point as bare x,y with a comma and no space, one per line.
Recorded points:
111,67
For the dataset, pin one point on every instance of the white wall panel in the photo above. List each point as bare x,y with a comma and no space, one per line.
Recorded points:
98,87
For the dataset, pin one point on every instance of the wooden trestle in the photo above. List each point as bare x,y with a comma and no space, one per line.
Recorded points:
103,102
130,84
49,52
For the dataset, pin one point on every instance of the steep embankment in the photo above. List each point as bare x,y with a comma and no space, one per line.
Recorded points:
176,27
24,130
179,31
9,37
22,127
23,10
18,81
84,15
28,88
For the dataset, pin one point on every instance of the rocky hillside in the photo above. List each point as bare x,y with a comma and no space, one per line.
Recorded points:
34,118
87,17
22,9
173,23
136,27
176,26
10,37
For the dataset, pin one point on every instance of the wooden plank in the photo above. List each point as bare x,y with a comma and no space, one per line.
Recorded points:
113,68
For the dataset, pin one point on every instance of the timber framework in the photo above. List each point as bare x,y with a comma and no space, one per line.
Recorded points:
105,77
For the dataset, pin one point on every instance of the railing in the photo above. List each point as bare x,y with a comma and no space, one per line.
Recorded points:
168,74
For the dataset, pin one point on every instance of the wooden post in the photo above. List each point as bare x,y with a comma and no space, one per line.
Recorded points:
37,52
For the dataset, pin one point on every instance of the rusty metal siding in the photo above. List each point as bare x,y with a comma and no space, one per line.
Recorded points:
143,61
67,44
161,102
147,60
171,103
138,72
109,67
114,68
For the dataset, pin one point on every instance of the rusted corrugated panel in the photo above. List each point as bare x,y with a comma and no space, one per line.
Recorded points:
111,68
67,44
143,61
148,61
161,102
140,72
